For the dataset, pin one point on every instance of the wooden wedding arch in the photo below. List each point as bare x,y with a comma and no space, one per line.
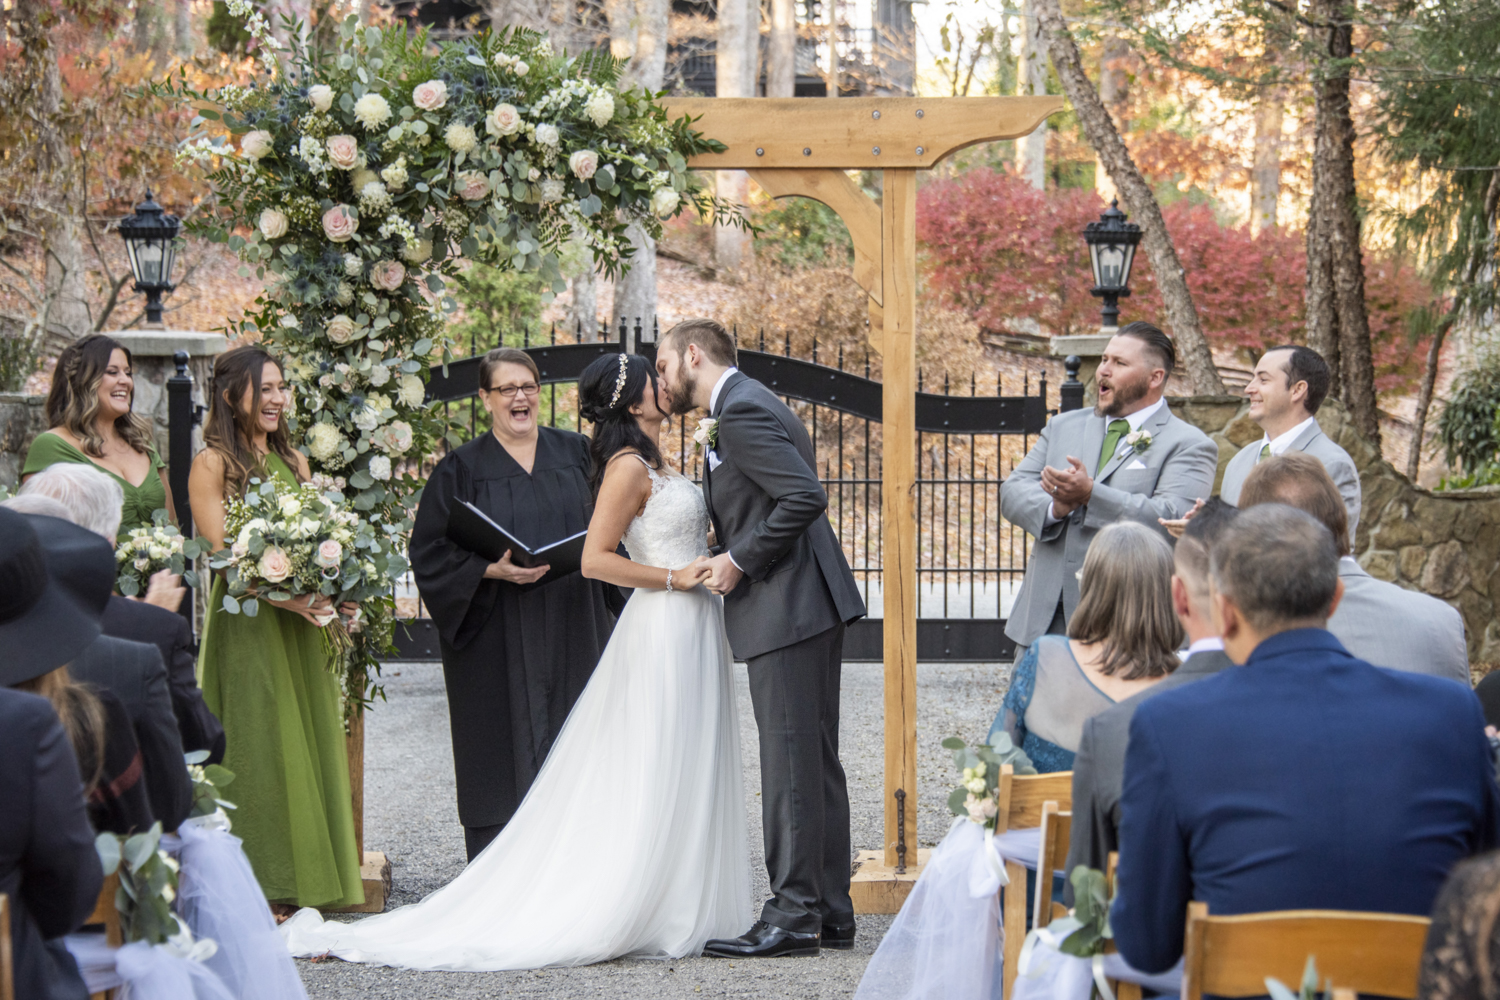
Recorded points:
802,147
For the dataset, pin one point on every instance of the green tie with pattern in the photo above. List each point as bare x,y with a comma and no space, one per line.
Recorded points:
1117,429
1265,453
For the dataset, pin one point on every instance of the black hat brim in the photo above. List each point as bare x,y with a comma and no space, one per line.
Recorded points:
48,636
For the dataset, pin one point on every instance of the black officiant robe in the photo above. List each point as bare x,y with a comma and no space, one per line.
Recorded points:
514,660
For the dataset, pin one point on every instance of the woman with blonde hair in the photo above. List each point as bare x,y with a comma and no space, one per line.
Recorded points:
1123,638
91,420
267,677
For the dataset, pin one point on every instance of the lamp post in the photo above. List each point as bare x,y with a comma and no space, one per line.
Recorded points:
1111,243
151,243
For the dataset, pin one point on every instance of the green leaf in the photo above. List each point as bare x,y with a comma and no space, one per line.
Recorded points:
1278,989
251,608
362,480
195,756
231,605
953,743
220,775
129,586
956,800
107,846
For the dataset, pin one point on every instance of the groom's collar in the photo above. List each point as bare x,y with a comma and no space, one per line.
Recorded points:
1139,417
713,399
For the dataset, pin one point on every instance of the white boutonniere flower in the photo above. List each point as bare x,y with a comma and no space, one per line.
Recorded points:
1139,440
707,433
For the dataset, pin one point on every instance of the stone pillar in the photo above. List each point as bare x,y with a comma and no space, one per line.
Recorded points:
1089,347
22,418
152,352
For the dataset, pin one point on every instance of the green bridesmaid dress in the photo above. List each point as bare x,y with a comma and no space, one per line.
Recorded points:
140,501
267,679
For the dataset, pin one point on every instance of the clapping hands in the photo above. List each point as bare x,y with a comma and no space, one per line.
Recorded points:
1069,488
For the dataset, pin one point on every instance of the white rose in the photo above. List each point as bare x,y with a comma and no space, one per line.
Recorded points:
275,565
367,418
395,175
522,69
256,144
324,441
290,506
158,552
471,185
343,151
600,107
411,391
380,468
343,293
394,438
504,120
431,95
548,135
583,163
379,375
320,96
664,201
272,223
340,329
372,111
460,138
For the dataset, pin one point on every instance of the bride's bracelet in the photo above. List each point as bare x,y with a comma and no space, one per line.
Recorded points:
669,581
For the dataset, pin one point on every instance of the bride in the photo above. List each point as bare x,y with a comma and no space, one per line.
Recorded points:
632,840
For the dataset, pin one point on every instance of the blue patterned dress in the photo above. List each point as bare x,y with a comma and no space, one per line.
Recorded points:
1049,699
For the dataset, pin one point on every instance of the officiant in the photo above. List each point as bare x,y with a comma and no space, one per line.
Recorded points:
515,657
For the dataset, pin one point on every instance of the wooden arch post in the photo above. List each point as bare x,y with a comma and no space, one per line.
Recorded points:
795,147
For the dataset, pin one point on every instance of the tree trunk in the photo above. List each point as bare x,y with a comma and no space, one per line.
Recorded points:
1114,88
738,26
533,14
1424,399
183,42
1265,171
1031,79
583,314
1182,315
781,55
635,291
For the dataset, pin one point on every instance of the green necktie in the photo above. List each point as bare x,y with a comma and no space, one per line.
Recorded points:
1265,453
1117,430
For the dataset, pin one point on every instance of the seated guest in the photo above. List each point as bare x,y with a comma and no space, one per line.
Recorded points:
1305,779
1099,768
1122,639
92,500
48,866
132,671
1462,957
1379,622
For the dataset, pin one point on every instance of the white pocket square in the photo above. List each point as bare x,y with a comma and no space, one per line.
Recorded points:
1135,464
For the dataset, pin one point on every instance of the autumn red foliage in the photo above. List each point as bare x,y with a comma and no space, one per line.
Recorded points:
1013,258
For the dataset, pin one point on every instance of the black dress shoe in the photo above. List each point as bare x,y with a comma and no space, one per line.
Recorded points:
763,941
838,936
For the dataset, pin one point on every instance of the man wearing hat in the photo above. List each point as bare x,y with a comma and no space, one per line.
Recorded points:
48,867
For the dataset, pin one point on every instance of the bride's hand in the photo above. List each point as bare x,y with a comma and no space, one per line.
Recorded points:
691,575
316,609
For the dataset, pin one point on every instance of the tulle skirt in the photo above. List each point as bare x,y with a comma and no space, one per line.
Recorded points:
632,840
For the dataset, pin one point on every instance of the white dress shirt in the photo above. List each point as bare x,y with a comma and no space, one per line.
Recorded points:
1211,644
1135,420
1284,441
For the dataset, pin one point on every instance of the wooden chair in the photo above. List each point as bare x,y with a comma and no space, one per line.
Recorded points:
106,914
1020,799
1057,828
7,959
1373,953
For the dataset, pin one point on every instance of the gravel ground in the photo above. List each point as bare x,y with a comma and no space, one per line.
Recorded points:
410,815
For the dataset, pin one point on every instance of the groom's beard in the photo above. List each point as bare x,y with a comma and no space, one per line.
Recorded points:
680,394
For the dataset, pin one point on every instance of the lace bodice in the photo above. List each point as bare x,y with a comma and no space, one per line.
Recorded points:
673,529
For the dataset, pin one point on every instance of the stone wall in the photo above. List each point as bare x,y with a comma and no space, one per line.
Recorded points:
1444,544
22,418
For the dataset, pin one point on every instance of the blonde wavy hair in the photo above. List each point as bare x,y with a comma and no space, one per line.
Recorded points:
74,400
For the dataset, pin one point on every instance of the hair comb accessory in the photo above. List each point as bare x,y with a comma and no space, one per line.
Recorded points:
620,382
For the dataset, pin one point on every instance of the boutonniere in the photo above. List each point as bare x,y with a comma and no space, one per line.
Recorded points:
1139,440
707,433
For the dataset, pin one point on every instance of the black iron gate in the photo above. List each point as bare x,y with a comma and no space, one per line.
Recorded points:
970,561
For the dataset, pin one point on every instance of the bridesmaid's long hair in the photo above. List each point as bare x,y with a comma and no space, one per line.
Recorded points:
74,398
614,427
228,429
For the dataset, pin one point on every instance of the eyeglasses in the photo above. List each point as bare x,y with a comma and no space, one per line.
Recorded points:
509,391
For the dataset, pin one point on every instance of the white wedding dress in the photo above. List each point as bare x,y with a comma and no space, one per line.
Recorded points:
632,840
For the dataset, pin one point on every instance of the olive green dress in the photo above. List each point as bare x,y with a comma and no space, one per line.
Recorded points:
140,501
267,679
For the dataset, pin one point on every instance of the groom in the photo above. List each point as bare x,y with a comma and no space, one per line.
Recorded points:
788,594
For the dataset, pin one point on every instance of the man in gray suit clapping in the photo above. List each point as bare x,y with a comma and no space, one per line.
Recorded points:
1127,459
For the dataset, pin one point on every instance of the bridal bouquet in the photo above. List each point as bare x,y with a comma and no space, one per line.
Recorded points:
975,799
146,551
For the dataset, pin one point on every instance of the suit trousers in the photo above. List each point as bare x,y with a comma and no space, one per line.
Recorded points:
804,799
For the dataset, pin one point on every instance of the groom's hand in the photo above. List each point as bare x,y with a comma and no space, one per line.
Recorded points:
723,574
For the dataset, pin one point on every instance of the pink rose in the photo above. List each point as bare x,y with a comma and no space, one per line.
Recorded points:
275,565
431,95
583,163
330,554
343,151
340,223
387,275
473,186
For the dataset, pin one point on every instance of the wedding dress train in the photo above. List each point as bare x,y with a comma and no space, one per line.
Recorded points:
632,840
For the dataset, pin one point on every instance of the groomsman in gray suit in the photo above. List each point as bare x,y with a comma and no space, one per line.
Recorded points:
1128,458
1285,392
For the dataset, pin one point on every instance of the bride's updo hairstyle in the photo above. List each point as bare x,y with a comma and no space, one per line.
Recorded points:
607,389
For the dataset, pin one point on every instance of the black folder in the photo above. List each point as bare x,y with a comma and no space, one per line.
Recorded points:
475,531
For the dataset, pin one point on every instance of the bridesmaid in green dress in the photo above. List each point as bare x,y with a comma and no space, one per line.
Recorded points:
89,410
267,678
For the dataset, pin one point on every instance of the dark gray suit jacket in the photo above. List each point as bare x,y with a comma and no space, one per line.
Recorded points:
767,508
1099,766
135,673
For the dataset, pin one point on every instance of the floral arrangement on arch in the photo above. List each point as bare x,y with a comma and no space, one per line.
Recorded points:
356,181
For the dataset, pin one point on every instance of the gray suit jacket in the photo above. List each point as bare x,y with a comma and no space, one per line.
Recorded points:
1099,766
1393,627
1161,482
136,675
767,508
1315,443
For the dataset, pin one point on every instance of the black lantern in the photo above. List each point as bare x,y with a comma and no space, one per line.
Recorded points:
1112,243
150,240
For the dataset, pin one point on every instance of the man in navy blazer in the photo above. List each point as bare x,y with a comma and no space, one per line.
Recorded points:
1303,779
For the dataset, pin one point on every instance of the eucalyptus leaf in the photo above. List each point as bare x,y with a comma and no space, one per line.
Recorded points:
107,846
231,605
251,608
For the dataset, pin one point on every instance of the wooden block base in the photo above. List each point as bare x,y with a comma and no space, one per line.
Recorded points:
376,874
876,888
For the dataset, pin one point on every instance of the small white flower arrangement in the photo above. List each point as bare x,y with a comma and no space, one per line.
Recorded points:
707,433
146,551
1139,440
974,798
